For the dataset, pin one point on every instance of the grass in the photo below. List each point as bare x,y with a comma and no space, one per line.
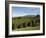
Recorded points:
28,28
16,21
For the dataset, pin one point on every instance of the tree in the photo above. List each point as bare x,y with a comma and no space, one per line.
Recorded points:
38,16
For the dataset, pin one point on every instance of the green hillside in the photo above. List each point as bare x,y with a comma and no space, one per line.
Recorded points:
26,23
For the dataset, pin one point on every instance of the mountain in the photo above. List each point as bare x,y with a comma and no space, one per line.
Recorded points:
28,16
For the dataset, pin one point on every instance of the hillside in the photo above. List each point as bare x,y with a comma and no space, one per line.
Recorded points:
25,21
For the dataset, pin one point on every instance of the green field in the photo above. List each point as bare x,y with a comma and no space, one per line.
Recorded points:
26,23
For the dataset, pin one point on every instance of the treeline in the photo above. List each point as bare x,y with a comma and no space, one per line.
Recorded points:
28,16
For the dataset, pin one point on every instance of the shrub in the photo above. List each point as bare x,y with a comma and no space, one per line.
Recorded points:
18,26
12,26
24,24
28,24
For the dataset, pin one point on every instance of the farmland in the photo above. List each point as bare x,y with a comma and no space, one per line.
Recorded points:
28,22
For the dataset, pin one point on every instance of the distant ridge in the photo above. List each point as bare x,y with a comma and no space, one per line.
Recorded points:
27,16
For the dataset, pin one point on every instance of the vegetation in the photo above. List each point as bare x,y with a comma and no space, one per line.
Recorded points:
29,22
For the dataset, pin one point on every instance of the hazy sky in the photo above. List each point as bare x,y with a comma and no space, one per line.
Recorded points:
21,11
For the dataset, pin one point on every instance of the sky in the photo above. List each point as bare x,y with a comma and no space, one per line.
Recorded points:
22,11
